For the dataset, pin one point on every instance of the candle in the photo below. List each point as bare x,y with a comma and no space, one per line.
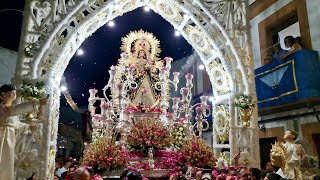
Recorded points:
175,103
113,69
204,100
168,62
184,92
93,93
130,72
162,73
124,56
176,77
189,78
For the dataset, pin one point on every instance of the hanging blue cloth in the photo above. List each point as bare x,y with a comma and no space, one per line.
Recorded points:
286,81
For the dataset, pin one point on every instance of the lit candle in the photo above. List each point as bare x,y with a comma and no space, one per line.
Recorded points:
124,56
184,92
168,62
175,103
130,72
162,73
176,77
93,93
204,100
189,78
113,69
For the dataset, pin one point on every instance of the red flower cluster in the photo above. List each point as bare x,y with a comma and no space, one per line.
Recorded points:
104,154
196,153
148,133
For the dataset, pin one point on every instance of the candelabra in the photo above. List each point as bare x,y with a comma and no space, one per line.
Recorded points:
122,81
183,106
163,87
112,110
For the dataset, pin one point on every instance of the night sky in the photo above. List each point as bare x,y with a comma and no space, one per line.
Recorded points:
102,49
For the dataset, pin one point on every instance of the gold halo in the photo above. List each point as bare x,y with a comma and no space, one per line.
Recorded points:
152,45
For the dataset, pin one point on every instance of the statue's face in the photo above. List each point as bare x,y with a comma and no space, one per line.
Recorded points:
288,136
9,96
142,54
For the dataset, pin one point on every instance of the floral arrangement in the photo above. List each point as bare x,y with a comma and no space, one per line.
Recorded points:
178,135
167,159
196,153
148,133
33,90
104,154
244,102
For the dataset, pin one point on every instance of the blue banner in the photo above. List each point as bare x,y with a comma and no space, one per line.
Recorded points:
287,81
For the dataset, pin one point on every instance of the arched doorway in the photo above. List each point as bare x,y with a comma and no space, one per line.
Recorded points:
218,32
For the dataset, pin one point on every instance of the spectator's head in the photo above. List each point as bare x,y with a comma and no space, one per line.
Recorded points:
276,48
289,41
264,173
255,173
267,60
272,176
298,40
72,169
64,174
198,174
81,173
131,175
269,166
290,135
245,174
232,172
67,163
55,177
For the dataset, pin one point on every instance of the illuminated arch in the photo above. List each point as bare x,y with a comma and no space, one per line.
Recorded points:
217,30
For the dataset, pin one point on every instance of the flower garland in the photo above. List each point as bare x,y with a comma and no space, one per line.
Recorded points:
104,154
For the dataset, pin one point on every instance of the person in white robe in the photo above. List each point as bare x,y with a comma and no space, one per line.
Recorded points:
10,125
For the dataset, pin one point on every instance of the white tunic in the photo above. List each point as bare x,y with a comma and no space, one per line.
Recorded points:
9,127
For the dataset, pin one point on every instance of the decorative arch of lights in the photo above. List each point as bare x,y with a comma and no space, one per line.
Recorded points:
216,29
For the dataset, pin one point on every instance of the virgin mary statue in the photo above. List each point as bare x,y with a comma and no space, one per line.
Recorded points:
142,50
